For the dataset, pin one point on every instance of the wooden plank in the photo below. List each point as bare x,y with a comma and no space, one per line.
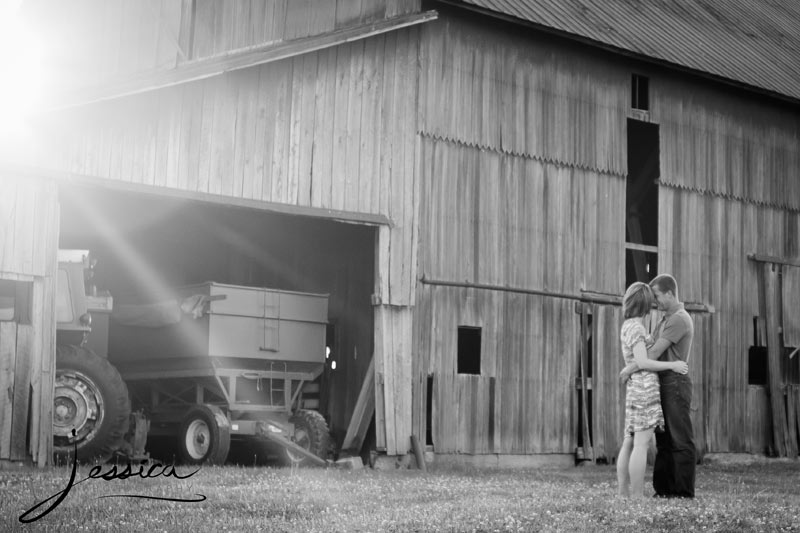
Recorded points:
306,132
363,412
8,361
380,405
37,383
352,122
220,180
22,389
797,410
772,299
47,369
325,97
791,418
338,169
298,14
369,169
588,453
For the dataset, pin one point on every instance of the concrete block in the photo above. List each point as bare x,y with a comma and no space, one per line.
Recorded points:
350,463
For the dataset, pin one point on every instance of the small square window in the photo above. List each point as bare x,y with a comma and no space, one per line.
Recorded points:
469,350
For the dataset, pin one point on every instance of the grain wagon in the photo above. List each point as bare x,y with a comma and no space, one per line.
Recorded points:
202,364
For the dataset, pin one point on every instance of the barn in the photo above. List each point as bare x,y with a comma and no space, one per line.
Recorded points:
474,183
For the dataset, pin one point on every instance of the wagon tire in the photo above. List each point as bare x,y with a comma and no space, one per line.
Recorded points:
205,436
310,432
90,399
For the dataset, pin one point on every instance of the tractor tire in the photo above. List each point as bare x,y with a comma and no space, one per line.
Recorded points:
205,436
91,408
311,433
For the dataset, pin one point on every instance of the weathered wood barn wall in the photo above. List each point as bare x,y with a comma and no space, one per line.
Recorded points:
28,240
524,163
729,188
492,158
523,176
324,123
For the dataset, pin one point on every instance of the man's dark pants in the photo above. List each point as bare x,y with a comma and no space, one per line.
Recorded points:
673,472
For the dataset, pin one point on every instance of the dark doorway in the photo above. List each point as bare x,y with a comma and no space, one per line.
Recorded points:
147,242
641,202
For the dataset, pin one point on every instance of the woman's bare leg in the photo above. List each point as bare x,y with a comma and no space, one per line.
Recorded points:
638,462
623,475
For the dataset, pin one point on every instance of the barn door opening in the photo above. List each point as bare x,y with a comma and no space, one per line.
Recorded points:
641,202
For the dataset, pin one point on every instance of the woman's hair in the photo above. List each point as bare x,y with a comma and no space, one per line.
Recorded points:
638,300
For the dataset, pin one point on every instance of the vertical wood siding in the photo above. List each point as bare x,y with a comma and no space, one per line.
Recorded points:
726,144
393,378
522,402
500,219
522,185
791,306
708,257
28,242
508,90
758,432
608,396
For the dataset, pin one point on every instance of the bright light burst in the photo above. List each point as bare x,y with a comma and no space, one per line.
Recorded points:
21,74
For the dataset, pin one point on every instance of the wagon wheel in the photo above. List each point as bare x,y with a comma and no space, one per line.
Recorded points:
311,433
205,436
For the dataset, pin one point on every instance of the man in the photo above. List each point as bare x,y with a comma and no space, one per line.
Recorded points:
674,469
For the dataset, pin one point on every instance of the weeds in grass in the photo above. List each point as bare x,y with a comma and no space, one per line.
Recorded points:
741,498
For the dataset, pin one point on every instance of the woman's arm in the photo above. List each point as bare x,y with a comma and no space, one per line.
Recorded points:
640,354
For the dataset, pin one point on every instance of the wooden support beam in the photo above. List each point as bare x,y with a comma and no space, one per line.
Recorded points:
588,452
797,409
791,419
773,259
584,296
771,287
233,60
362,414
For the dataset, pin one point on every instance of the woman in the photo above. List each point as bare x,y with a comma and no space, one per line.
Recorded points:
642,398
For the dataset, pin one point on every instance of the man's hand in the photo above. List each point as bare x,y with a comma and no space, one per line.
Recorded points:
625,373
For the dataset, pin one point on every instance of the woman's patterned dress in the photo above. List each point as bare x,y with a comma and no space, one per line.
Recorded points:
643,395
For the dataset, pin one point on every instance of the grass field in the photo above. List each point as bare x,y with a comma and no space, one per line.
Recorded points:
763,497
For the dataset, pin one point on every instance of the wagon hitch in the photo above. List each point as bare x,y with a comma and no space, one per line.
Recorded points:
263,431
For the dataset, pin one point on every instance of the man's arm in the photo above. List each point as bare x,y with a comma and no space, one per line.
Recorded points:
659,347
654,352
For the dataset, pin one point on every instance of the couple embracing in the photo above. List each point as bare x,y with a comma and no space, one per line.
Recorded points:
658,392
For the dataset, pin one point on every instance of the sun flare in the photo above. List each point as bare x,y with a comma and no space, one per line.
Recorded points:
21,76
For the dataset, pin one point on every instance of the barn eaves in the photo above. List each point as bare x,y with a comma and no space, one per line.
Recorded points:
231,61
735,43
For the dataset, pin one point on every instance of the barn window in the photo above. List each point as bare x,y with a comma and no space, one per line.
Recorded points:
15,301
640,92
758,365
641,202
758,359
469,350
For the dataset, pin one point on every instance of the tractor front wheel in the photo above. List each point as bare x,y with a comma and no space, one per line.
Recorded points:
91,408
